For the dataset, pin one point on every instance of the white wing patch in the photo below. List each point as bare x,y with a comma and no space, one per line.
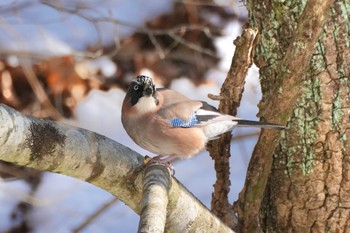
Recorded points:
216,123
202,112
215,129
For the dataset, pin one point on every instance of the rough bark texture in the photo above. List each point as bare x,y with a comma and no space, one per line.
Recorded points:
288,34
50,146
309,186
230,98
309,182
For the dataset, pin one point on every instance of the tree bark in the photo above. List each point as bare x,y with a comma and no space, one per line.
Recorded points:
230,98
54,147
308,183
156,185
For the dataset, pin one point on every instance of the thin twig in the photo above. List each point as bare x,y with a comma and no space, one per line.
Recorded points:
95,215
215,97
172,32
38,89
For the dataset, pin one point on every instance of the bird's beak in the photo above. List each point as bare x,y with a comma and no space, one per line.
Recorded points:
148,90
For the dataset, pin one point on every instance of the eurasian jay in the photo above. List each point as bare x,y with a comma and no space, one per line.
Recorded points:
167,123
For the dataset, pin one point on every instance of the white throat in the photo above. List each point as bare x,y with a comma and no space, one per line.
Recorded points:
145,104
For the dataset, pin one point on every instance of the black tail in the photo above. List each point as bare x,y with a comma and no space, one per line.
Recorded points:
259,124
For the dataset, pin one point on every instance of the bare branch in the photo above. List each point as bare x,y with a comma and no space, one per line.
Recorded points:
38,89
55,147
230,97
173,32
156,184
91,218
215,97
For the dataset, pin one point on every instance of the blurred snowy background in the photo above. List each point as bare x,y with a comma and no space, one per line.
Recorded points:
71,61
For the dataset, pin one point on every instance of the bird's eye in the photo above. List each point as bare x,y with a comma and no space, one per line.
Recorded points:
136,87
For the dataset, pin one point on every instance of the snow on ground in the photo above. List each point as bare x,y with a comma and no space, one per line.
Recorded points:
62,203
68,202
10,193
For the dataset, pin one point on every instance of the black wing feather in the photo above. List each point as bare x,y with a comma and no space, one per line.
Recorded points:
258,124
208,107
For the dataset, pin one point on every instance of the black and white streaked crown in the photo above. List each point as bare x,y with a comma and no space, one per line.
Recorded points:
144,80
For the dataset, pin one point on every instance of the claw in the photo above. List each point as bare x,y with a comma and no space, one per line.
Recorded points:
147,159
160,160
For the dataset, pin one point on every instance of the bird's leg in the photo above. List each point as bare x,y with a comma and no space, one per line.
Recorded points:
165,160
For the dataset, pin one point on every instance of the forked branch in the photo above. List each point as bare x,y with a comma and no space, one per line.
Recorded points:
50,146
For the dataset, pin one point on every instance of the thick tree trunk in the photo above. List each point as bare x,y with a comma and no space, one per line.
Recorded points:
308,189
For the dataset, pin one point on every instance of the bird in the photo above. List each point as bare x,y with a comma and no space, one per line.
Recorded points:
167,123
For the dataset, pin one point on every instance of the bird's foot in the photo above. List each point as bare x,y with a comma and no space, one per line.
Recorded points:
159,159
147,159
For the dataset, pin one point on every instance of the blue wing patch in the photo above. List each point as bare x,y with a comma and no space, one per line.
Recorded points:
177,122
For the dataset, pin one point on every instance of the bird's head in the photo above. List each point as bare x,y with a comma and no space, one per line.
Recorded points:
142,91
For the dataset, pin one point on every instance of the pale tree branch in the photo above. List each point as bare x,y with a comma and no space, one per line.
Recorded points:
156,184
50,146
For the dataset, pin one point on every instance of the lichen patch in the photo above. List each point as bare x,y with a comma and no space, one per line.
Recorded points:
42,140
